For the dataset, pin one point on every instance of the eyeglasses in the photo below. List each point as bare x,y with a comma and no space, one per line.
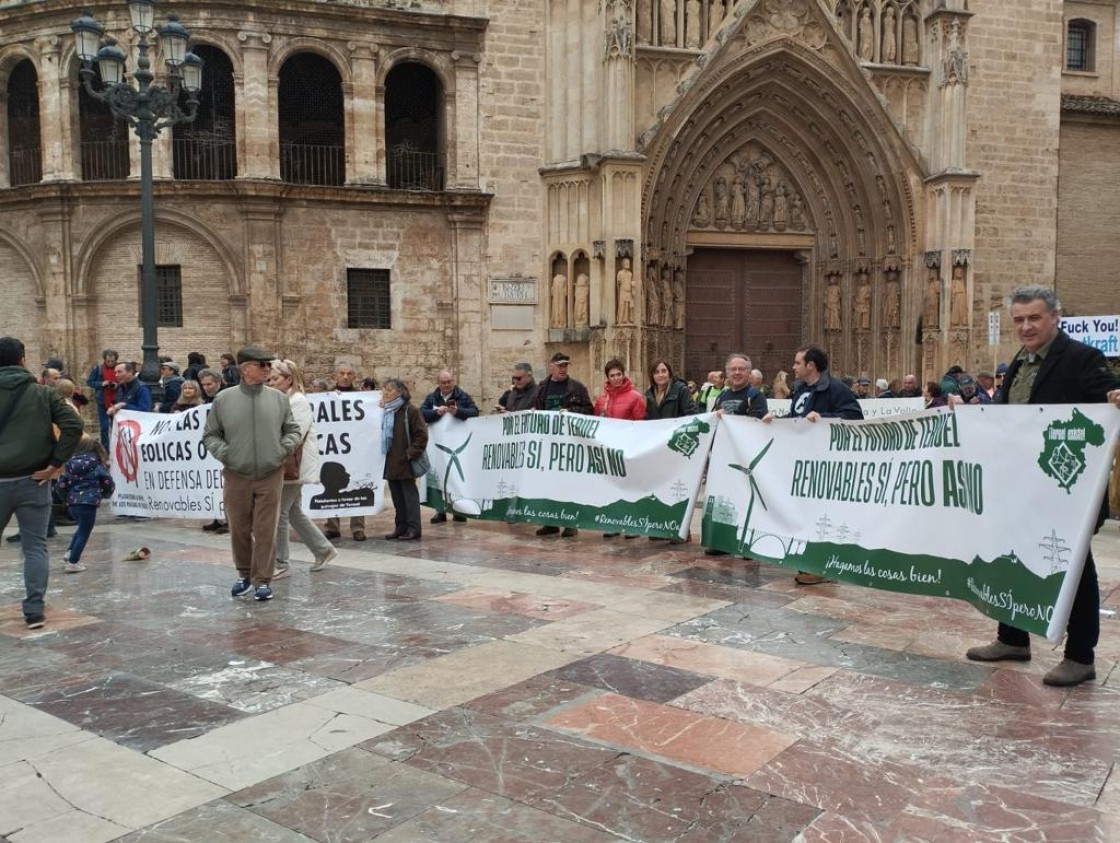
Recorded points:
517,378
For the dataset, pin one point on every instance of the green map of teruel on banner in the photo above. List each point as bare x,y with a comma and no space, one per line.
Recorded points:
993,506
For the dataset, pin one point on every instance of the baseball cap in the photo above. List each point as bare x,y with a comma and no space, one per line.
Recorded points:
985,374
1001,369
864,381
170,365
254,354
560,357
882,383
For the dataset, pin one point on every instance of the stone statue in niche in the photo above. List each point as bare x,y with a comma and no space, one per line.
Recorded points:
738,202
667,22
765,202
703,215
666,297
958,301
832,304
653,296
863,303
861,231
723,211
910,47
931,314
890,41
692,24
892,244
715,17
752,201
781,206
797,212
866,36
678,299
558,293
645,21
892,302
624,280
583,300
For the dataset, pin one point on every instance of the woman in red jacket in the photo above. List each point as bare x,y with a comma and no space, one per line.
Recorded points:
619,399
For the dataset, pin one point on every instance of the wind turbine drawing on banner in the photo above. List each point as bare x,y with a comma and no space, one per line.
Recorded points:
749,471
453,462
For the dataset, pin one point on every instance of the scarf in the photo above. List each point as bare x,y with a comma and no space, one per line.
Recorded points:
387,423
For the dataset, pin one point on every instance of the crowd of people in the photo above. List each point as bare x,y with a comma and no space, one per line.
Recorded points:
261,429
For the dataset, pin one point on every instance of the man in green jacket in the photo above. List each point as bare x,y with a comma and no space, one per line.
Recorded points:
250,430
30,455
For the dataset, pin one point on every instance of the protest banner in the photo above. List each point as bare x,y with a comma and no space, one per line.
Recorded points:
873,408
991,505
163,470
570,470
1101,332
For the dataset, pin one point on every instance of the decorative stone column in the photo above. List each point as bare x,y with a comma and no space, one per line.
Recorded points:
468,300
55,117
462,158
257,111
362,126
618,73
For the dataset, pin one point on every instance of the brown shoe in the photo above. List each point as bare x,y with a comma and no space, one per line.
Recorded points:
805,578
332,534
569,533
1068,672
997,651
359,536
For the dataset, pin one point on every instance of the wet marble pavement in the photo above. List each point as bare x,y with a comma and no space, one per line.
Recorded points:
488,686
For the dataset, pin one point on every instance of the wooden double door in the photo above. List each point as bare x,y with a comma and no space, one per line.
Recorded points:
742,300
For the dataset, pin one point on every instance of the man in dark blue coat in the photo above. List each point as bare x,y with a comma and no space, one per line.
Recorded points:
447,399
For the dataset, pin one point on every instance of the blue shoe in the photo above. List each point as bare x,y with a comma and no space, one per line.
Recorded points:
241,588
263,592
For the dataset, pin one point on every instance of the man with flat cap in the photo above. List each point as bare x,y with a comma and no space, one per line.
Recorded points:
250,430
566,395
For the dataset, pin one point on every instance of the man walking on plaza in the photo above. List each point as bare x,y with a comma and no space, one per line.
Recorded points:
1051,368
447,399
30,455
250,430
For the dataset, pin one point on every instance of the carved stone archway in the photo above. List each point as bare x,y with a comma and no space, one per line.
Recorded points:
781,142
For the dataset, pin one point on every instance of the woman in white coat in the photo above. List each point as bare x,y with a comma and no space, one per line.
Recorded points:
287,378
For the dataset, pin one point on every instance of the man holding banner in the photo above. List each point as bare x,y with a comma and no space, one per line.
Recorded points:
1051,368
250,430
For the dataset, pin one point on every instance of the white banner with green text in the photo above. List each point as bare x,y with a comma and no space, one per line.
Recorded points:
162,469
570,470
991,505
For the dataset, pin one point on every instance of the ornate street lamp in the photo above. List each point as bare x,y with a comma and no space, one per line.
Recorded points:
150,109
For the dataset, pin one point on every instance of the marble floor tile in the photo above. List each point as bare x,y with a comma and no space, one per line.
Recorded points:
108,707
350,796
709,659
253,686
630,677
27,733
59,620
479,817
258,748
139,792
733,749
526,701
464,675
541,608
217,822
591,632
368,704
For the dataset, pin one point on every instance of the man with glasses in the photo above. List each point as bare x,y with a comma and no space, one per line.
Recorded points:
250,430
522,393
447,399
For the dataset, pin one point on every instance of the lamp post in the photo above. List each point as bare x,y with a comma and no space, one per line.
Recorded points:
149,108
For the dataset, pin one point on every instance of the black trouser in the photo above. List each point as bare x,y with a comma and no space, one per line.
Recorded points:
1084,627
406,502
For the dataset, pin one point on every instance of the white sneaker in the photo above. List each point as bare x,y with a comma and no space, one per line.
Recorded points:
279,573
74,567
66,556
325,559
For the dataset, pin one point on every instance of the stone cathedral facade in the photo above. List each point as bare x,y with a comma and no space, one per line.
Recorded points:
408,186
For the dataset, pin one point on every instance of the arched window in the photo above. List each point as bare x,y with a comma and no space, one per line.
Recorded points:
312,122
1081,36
414,131
103,138
25,157
207,148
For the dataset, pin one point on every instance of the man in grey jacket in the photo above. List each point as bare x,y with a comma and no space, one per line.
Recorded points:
250,430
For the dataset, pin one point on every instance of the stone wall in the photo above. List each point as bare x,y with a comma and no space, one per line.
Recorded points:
1013,122
1088,277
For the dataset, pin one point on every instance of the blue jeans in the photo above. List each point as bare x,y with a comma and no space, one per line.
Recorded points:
86,515
31,504
104,422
